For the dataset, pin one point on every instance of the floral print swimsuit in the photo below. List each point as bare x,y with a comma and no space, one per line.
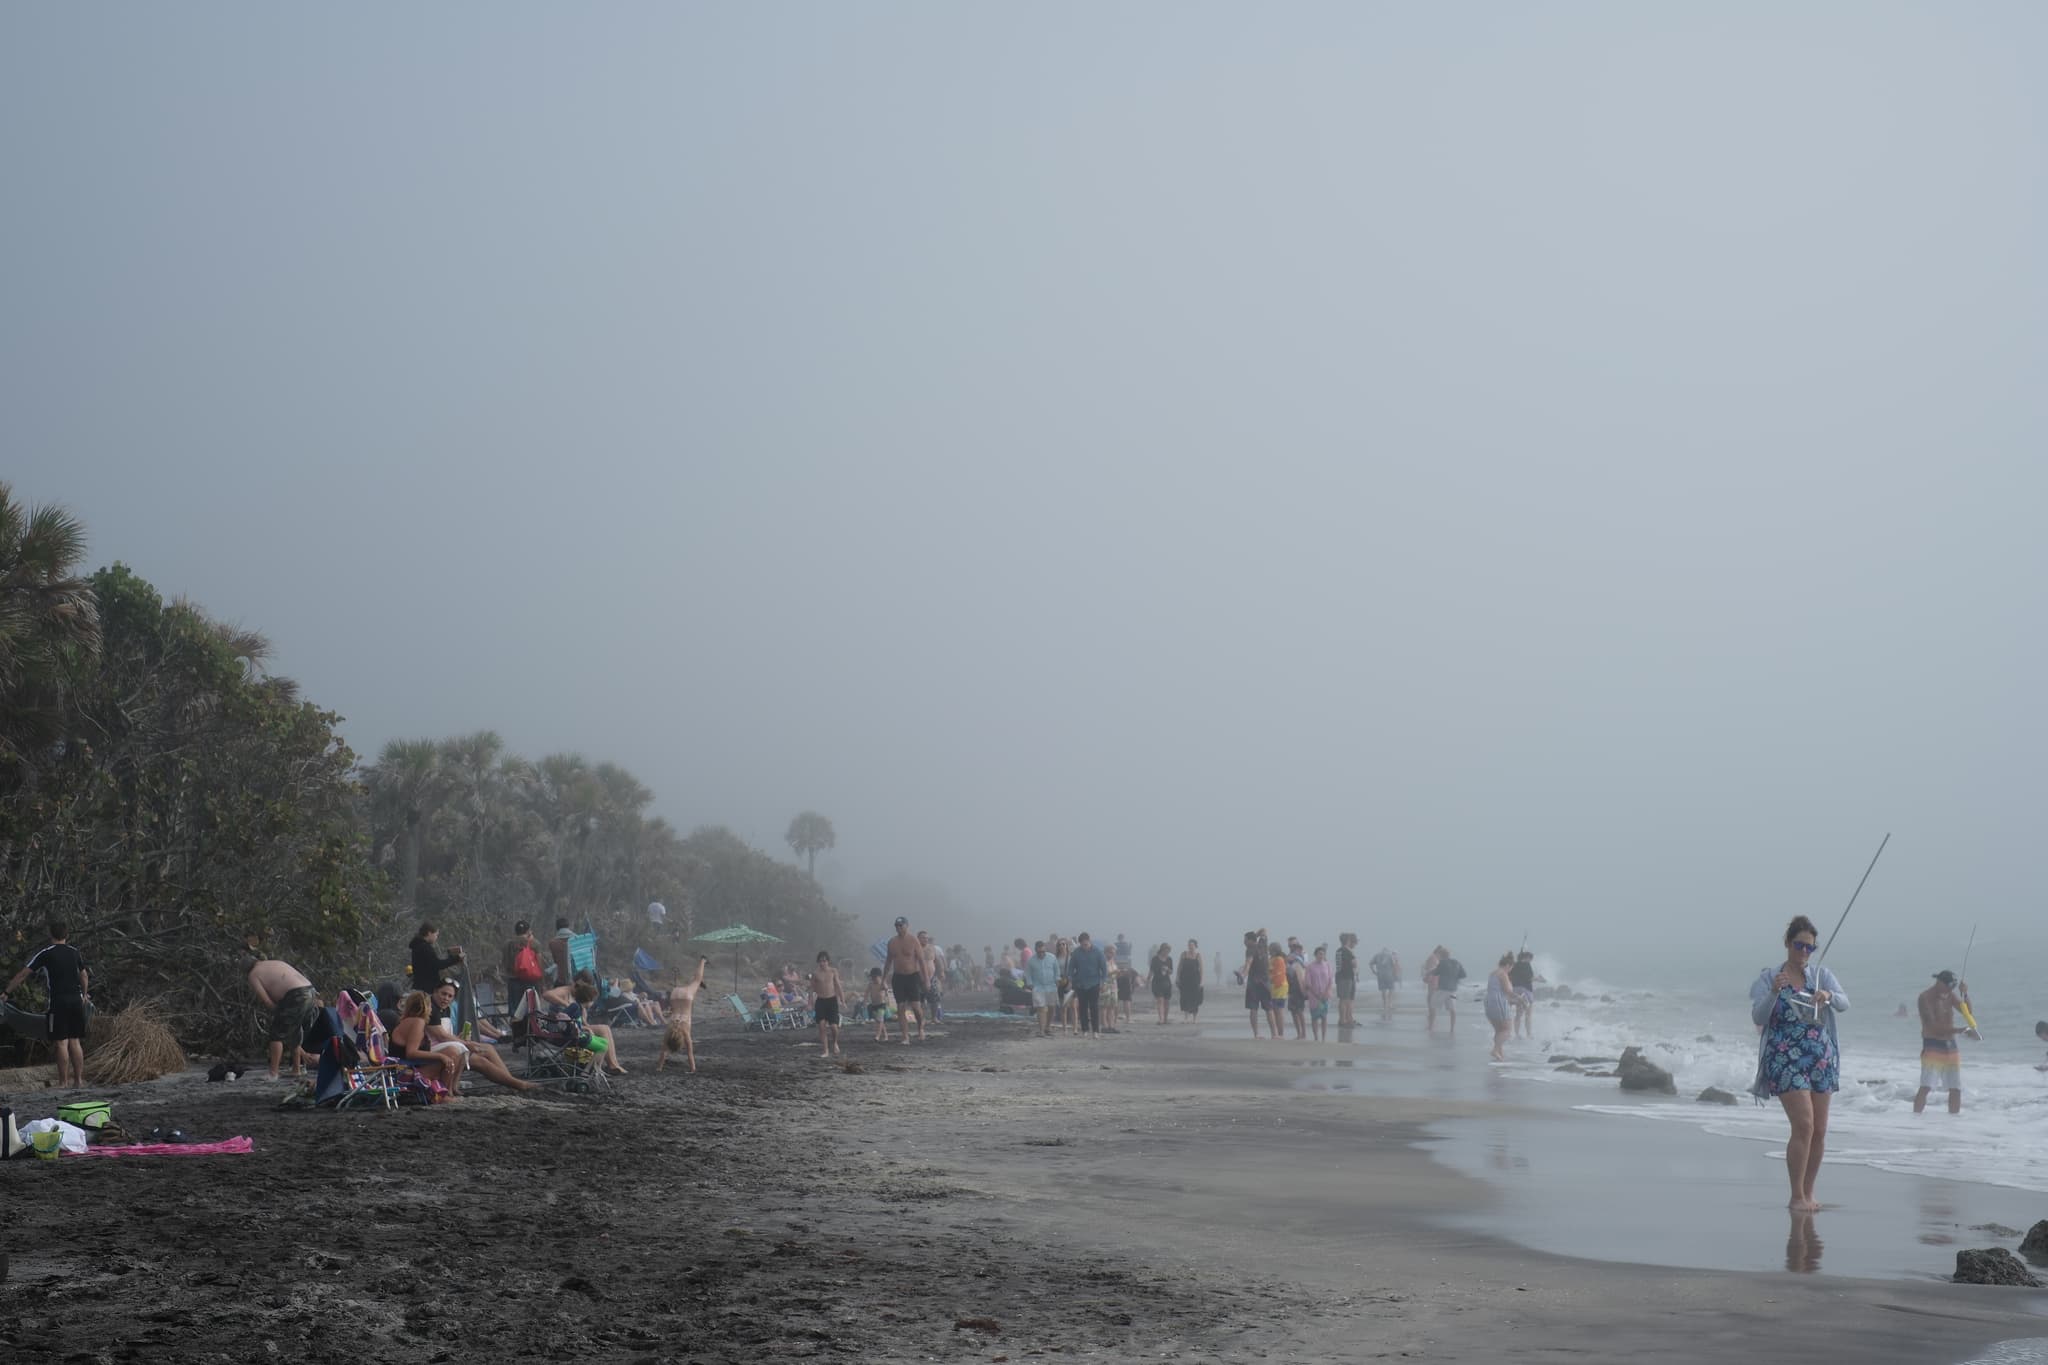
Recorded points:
1798,1053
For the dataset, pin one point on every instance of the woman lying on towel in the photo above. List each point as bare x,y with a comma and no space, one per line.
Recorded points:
446,1060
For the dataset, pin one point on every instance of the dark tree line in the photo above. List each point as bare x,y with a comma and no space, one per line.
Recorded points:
164,793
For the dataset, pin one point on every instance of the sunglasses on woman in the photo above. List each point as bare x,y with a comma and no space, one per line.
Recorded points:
1804,947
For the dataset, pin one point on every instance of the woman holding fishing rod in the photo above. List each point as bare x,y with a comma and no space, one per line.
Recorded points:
1799,1060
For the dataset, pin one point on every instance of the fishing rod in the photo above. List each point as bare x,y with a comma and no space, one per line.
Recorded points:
1803,1001
1969,1017
1852,897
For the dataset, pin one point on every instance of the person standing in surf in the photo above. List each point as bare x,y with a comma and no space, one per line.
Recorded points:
1256,994
1346,978
1799,1059
1941,1066
1386,973
1445,978
1522,976
1500,994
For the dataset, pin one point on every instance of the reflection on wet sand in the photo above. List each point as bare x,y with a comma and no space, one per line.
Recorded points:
1803,1246
1937,1216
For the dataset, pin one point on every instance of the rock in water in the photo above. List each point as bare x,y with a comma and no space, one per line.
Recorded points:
1715,1095
2035,1248
1992,1265
1572,1067
1637,1073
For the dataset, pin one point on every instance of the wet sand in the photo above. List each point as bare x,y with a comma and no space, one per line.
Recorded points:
1151,1195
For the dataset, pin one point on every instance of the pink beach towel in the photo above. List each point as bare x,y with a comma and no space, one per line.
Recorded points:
234,1146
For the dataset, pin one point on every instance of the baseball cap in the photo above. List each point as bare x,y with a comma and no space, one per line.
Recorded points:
901,921
1945,978
521,927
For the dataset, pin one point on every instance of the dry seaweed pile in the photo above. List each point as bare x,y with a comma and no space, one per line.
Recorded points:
128,1046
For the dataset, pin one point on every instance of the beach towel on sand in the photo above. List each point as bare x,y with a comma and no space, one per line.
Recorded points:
234,1146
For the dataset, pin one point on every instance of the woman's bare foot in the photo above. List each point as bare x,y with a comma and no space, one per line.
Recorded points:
1804,1205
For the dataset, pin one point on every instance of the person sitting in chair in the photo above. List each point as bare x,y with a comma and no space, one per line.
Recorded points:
480,1057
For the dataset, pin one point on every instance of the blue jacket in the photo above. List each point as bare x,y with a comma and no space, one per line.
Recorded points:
1087,967
1763,1000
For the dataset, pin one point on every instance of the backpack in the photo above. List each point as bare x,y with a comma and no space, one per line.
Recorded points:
526,963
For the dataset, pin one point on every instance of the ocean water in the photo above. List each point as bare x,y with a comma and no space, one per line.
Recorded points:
1698,1029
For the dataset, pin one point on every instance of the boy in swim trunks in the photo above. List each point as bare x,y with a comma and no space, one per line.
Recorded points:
825,1004
878,1003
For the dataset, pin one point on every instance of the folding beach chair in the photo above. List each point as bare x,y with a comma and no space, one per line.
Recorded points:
747,1016
558,1050
353,1069
645,968
491,1010
583,954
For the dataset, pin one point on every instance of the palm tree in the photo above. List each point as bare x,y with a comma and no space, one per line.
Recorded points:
407,786
474,785
47,614
809,833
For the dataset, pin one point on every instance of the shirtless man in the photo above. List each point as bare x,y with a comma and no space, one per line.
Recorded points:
283,990
906,966
677,1037
825,1004
1941,1068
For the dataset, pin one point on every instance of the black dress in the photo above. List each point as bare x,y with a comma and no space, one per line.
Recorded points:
1190,984
1162,976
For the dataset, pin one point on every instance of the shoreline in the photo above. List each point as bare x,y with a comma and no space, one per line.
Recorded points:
1133,1196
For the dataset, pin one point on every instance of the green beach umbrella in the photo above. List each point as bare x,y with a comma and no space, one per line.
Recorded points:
736,935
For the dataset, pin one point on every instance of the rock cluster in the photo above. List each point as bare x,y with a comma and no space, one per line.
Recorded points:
1992,1265
1639,1073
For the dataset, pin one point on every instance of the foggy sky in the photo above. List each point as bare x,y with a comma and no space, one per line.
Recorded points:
1439,470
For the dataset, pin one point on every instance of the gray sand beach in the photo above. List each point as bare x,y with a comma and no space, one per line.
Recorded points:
985,1196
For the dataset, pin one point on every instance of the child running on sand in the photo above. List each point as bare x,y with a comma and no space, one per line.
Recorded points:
825,1004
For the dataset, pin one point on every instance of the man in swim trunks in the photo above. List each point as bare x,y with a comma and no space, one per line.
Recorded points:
1941,1066
1346,977
906,966
825,1004
283,990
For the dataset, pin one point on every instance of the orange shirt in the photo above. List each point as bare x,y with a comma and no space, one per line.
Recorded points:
1276,976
